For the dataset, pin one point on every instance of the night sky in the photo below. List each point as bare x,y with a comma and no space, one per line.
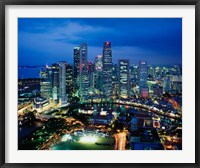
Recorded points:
45,41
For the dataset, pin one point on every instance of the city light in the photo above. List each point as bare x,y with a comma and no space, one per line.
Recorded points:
111,102
120,141
88,139
66,137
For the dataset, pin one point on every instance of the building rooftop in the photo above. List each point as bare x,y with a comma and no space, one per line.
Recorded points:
147,139
146,135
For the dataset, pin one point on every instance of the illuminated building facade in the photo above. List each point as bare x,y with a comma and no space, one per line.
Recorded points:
124,79
143,77
150,71
62,83
107,70
84,75
98,63
55,82
76,67
134,74
39,104
98,73
90,69
115,79
85,84
69,81
45,88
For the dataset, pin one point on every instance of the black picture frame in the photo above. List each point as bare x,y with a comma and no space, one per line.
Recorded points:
3,3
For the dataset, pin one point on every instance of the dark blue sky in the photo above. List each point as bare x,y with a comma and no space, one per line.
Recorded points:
47,40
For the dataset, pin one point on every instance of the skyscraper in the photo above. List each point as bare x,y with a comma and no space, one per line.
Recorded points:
98,74
150,70
115,81
45,88
85,84
143,77
76,72
124,79
55,82
84,76
49,78
107,70
134,74
90,68
83,55
98,63
62,83
69,81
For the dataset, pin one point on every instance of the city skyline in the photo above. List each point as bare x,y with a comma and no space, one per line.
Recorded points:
158,41
100,101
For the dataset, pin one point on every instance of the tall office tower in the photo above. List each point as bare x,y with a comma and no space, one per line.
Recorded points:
49,72
76,73
45,88
98,73
143,77
123,78
84,76
98,80
46,82
95,79
150,70
115,74
133,74
98,63
83,55
55,82
107,70
49,77
62,83
90,68
157,71
69,81
85,84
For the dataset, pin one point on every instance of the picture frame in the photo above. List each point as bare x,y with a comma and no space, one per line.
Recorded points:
3,64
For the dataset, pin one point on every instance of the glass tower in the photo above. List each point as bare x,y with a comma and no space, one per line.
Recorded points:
143,74
45,88
55,82
84,76
62,83
69,81
107,70
124,79
76,67
98,74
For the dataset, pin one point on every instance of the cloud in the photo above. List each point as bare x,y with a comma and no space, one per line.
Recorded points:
69,32
54,39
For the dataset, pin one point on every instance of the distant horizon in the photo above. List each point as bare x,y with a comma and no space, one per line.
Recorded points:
92,62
